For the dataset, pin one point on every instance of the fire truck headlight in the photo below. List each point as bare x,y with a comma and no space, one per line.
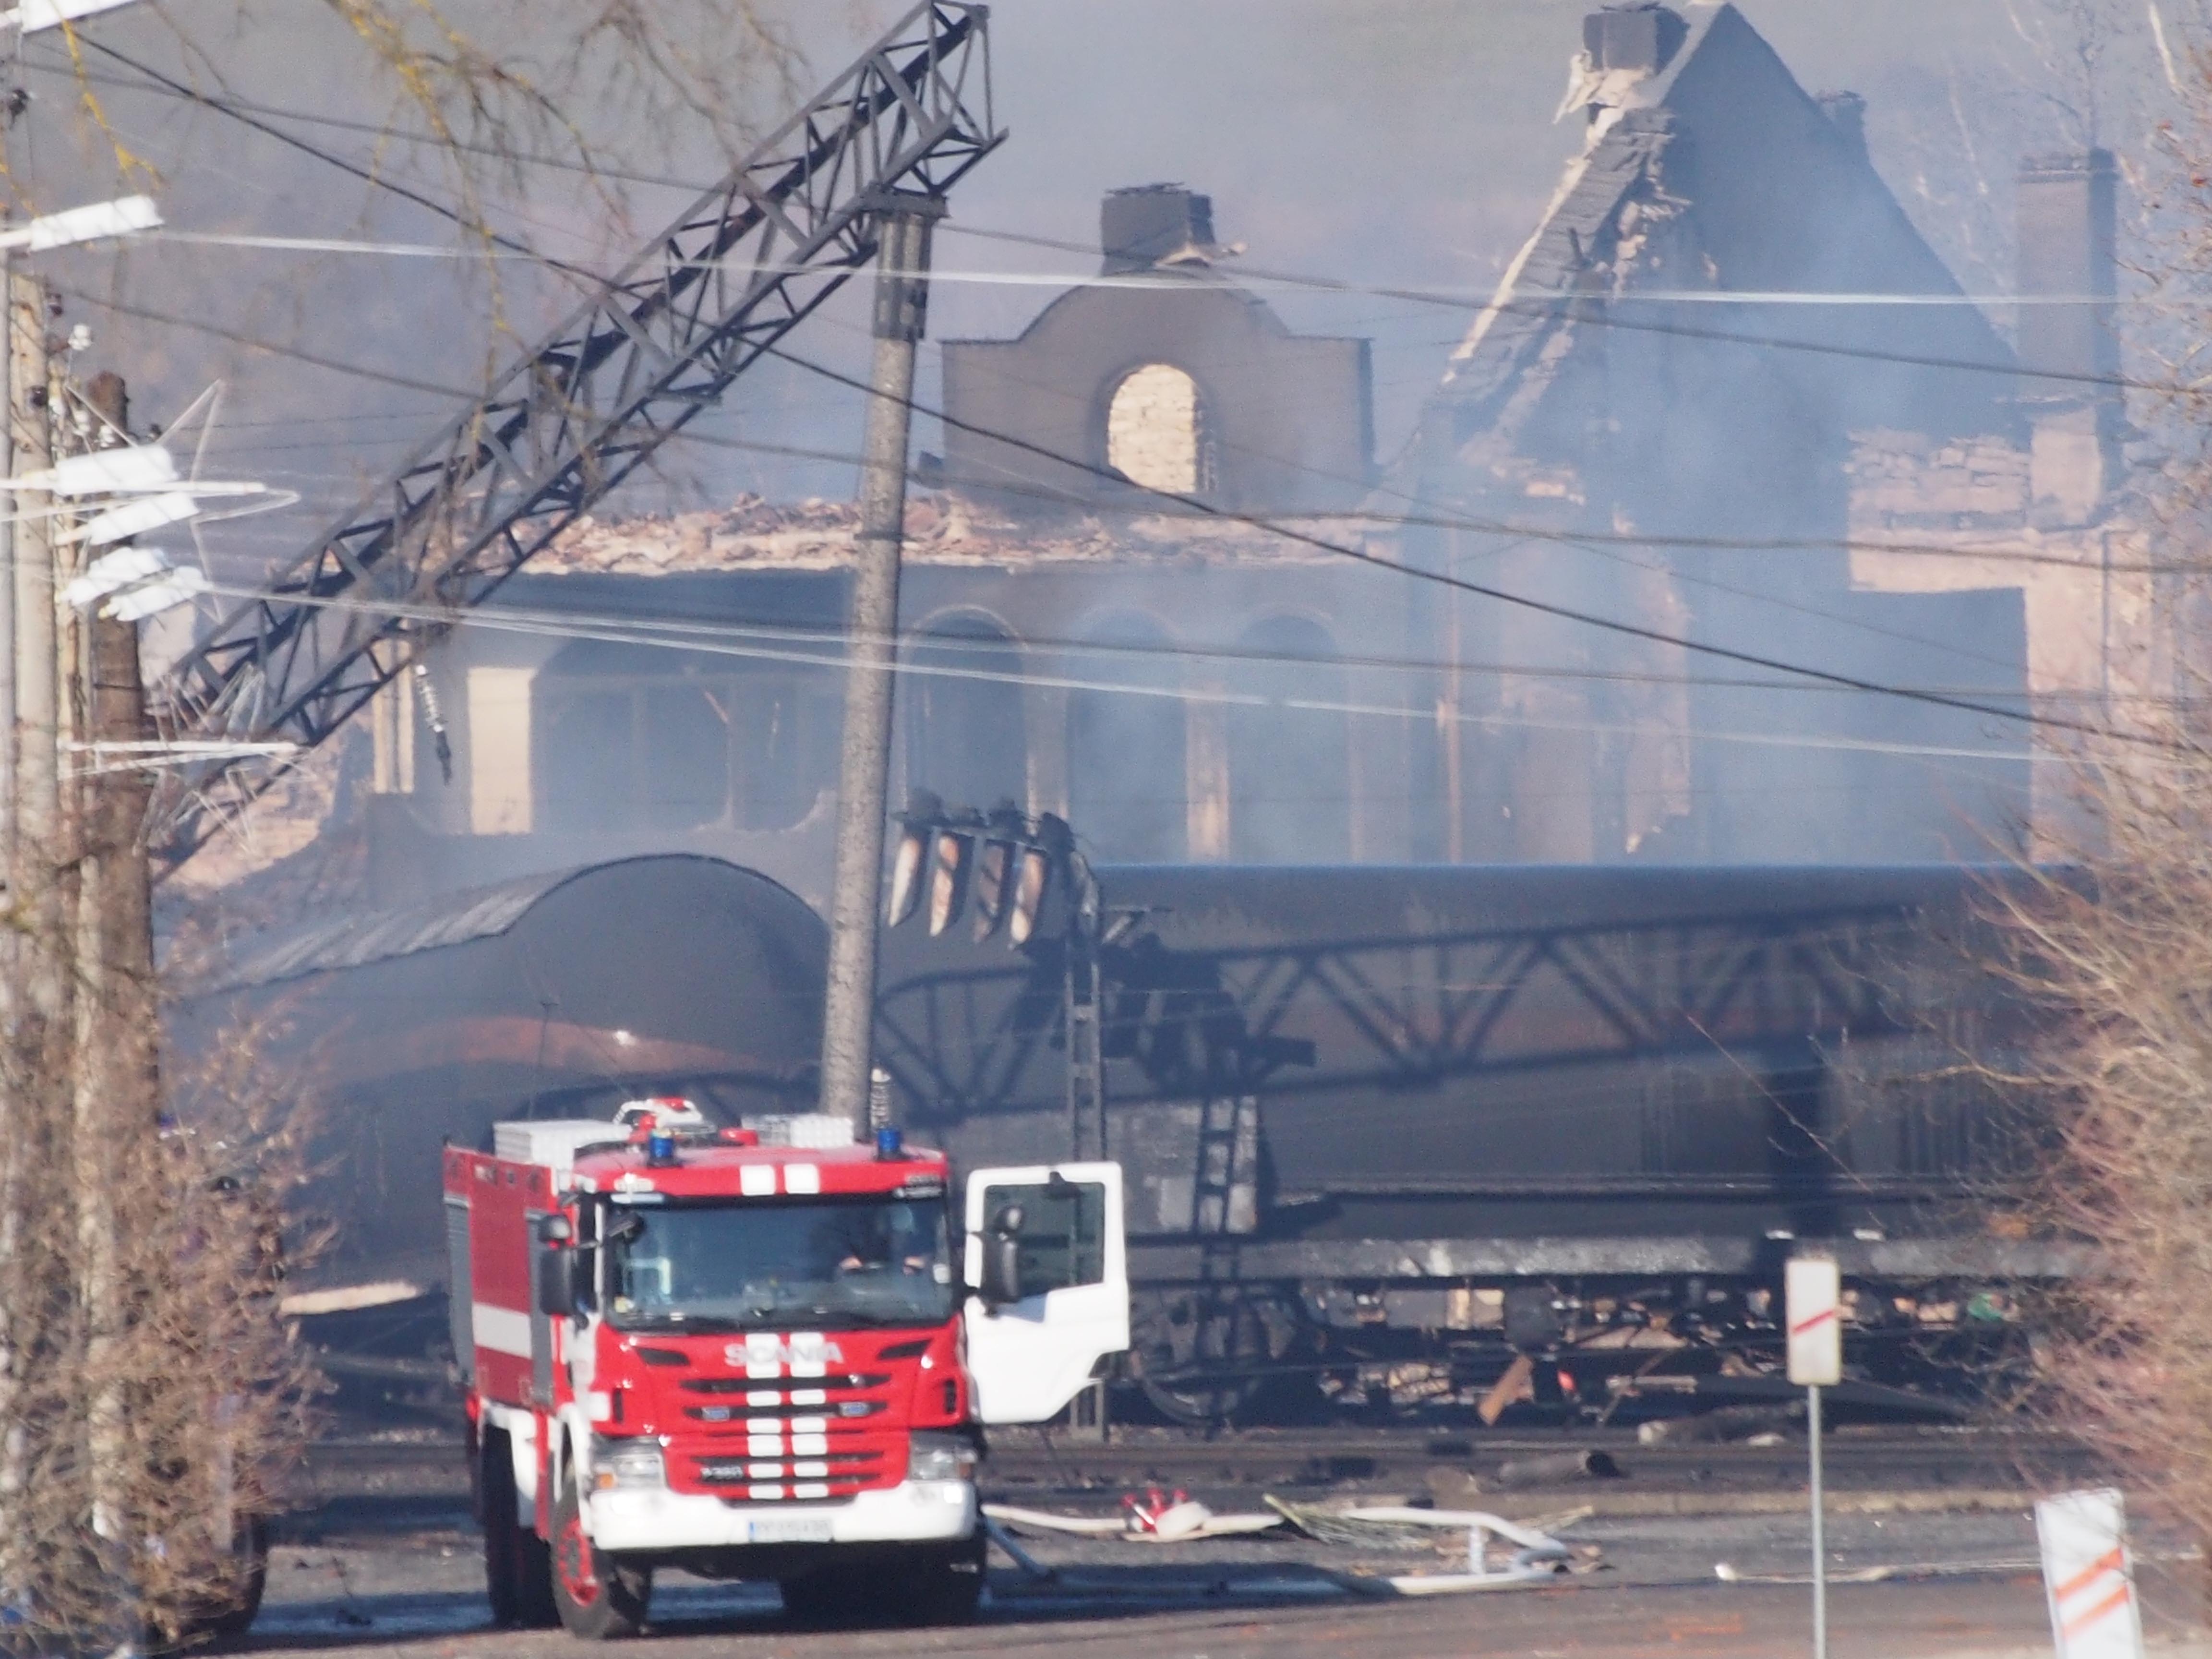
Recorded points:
626,1463
939,1457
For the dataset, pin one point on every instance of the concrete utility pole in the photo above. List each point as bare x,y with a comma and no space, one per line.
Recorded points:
6,666
117,1076
37,807
872,628
117,1083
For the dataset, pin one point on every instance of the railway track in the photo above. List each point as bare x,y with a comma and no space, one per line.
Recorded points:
1898,1459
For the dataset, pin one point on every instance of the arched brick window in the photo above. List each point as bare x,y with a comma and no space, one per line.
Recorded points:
1156,432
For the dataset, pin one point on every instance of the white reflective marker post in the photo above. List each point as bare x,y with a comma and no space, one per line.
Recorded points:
2089,1576
1813,1315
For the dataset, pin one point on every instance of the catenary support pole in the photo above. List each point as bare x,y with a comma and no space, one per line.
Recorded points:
864,759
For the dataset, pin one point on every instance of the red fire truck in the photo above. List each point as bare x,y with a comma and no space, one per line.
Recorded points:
756,1354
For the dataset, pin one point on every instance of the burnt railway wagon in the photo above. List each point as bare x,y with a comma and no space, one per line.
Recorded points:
1411,1121
554,995
1450,1114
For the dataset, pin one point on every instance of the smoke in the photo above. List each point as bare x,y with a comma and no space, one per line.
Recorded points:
1407,143
1403,144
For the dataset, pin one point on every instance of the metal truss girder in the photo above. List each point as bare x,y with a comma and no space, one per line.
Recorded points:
663,340
964,1042
1413,1012
1660,988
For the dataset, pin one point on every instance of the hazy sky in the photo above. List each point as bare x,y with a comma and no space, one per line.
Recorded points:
1382,141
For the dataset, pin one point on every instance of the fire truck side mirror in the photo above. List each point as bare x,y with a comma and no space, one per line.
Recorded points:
1002,1258
557,1283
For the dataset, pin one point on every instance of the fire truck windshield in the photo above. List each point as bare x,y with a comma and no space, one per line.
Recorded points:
825,1263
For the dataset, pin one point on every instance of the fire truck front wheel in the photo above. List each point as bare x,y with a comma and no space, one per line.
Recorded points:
518,1566
599,1597
943,1589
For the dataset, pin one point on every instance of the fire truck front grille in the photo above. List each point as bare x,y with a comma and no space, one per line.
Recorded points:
842,1411
790,1475
733,1471
789,1437
853,1381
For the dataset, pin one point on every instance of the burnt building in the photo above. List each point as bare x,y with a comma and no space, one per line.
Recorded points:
1650,399
1646,449
1179,685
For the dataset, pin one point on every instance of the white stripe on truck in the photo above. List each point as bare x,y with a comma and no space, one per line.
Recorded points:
501,1329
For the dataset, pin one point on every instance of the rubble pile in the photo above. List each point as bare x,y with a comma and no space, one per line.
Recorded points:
754,533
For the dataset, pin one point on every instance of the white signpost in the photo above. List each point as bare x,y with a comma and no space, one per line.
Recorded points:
1813,1315
2089,1578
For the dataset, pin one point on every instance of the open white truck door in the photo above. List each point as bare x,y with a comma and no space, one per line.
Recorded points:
1047,1277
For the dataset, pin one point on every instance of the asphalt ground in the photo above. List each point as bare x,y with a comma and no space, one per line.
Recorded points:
366,1565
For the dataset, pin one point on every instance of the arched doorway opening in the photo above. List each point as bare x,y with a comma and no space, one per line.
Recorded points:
1126,790
966,736
1290,781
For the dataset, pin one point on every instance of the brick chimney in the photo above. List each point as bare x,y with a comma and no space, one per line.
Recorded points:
1641,34
2067,217
1142,225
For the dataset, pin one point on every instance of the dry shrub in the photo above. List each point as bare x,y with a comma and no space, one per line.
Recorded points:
2121,956
154,1403
2116,948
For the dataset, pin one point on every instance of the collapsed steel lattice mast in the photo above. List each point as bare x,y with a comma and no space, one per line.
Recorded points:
572,419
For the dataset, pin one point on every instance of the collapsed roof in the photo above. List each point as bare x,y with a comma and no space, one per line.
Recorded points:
1708,170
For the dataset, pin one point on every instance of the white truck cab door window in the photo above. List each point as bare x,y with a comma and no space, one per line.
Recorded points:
1047,1277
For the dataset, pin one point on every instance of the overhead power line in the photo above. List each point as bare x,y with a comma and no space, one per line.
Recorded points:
1484,590
1194,509
259,117
1503,528
1551,303
367,175
1499,528
611,630
1288,533
146,314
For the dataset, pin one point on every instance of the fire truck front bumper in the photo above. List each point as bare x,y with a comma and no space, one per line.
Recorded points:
648,1521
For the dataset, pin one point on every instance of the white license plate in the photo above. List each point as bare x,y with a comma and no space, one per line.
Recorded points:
790,1530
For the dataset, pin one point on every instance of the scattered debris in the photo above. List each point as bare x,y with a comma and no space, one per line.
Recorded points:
1536,1558
1560,1520
1728,1575
1170,1523
1354,1529
1162,1515
1852,1398
1554,1469
1459,1488
1729,1423
1518,1383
